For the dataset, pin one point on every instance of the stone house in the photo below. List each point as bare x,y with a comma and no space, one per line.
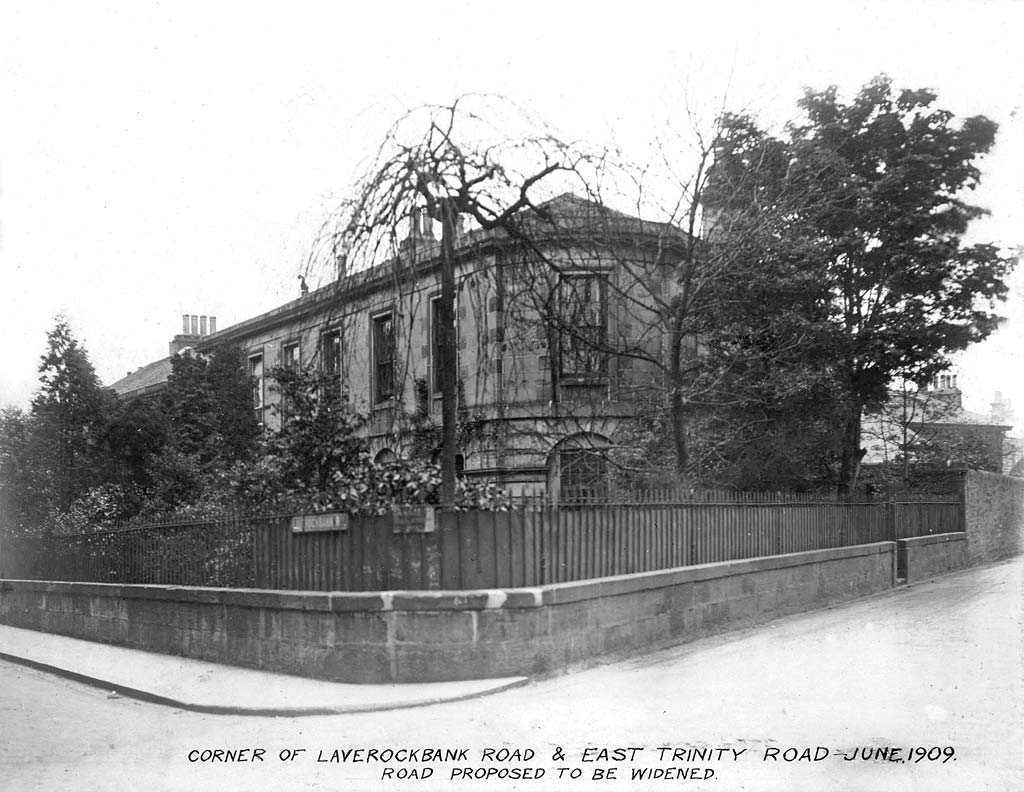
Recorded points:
546,332
939,431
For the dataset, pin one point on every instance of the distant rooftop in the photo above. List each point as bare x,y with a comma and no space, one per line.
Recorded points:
148,379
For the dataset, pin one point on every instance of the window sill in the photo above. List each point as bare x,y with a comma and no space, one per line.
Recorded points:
583,379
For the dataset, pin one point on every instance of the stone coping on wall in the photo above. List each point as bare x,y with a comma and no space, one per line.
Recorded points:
491,599
920,541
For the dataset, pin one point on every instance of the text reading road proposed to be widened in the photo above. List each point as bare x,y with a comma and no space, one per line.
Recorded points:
611,763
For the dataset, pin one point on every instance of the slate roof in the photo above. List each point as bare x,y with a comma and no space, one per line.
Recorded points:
148,379
962,417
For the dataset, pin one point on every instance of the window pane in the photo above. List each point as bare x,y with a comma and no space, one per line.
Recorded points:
290,356
583,308
330,363
256,377
384,357
331,353
436,342
584,476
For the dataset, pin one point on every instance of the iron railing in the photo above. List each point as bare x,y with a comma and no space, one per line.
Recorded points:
533,543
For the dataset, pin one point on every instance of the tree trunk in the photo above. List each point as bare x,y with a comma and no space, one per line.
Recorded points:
679,441
677,408
449,385
904,447
851,452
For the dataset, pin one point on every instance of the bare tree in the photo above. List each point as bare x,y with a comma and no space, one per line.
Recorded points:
479,159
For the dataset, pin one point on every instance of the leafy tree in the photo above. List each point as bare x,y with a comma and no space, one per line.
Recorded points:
189,406
71,410
774,428
24,498
208,404
319,436
889,208
231,388
320,460
134,437
79,457
176,450
765,407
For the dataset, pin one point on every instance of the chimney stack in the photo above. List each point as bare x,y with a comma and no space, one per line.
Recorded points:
194,327
419,231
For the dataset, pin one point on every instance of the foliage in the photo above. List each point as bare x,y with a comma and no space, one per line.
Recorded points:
319,434
134,439
818,268
319,460
24,496
423,435
70,410
208,404
765,403
56,455
781,437
81,458
892,172
99,507
203,424
376,488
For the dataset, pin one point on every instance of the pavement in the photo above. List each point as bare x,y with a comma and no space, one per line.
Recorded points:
213,688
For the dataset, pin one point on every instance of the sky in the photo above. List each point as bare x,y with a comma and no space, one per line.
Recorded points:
161,158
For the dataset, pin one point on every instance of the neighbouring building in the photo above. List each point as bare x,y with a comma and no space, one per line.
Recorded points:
931,426
151,379
546,333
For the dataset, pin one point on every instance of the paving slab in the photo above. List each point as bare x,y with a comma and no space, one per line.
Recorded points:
200,686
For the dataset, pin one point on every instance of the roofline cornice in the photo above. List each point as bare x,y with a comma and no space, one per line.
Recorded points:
476,243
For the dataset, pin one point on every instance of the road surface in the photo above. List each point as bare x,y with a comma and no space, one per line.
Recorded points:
926,679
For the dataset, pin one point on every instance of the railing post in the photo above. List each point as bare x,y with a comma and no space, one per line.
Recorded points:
963,475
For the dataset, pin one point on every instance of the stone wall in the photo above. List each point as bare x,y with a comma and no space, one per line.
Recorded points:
435,636
994,516
924,557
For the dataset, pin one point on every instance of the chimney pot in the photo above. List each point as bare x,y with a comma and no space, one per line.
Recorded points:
202,325
195,325
213,324
184,324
